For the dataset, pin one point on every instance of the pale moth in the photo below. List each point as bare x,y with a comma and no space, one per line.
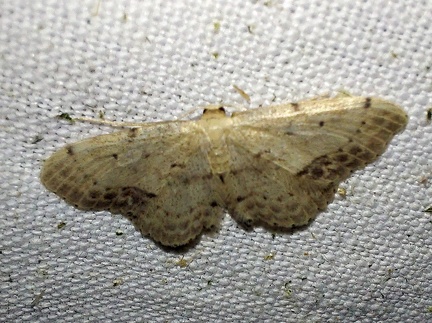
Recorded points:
276,167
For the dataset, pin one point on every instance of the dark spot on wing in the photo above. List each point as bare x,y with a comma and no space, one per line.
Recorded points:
304,171
275,208
131,215
354,164
355,150
174,165
131,198
115,156
133,132
94,194
295,106
342,158
317,172
129,201
260,153
185,180
321,123
213,204
207,176
240,198
222,179
69,150
367,103
150,195
110,195
325,160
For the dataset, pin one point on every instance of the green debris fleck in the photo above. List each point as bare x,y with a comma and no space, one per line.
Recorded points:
342,192
428,209
243,94
95,10
65,116
270,256
119,232
183,263
215,55
216,26
37,139
61,225
117,282
287,290
38,298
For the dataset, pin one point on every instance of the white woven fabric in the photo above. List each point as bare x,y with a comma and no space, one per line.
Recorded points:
367,258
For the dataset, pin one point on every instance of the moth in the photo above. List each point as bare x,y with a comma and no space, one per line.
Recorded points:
276,167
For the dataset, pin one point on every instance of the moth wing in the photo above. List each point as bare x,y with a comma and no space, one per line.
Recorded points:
287,161
157,176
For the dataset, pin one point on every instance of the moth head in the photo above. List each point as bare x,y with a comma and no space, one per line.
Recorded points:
213,112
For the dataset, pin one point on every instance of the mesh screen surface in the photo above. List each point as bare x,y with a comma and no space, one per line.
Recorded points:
366,258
